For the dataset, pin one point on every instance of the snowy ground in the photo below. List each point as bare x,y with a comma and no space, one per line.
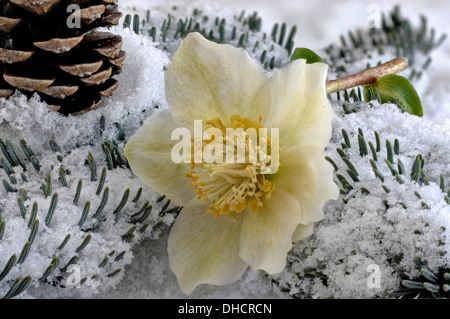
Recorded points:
319,23
322,22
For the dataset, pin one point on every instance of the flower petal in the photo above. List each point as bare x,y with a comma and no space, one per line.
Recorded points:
266,236
302,232
204,249
149,155
206,80
307,176
299,104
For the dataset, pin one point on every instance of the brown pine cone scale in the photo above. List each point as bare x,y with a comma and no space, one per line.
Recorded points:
51,47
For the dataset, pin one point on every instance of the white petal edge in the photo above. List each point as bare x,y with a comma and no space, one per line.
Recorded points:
204,249
307,176
149,154
302,232
206,80
299,104
266,236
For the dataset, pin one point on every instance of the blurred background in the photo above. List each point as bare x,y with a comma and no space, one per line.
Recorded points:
320,22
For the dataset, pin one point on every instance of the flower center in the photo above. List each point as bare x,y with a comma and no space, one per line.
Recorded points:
232,186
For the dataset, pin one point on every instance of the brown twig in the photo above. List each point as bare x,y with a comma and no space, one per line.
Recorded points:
368,76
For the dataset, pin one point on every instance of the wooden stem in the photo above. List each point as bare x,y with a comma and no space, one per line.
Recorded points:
368,76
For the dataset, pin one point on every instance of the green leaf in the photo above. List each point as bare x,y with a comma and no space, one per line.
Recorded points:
307,54
398,90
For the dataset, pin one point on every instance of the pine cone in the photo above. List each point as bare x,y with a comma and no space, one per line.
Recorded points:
51,47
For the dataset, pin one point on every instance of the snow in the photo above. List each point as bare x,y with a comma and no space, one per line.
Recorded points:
354,236
364,231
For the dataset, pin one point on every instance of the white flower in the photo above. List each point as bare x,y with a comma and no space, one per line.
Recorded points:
234,216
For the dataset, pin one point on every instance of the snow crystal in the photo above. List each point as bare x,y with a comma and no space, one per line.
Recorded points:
366,230
361,235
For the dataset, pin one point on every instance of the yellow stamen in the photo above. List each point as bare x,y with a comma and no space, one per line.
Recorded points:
231,187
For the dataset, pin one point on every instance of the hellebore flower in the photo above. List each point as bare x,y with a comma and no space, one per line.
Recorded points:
234,215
